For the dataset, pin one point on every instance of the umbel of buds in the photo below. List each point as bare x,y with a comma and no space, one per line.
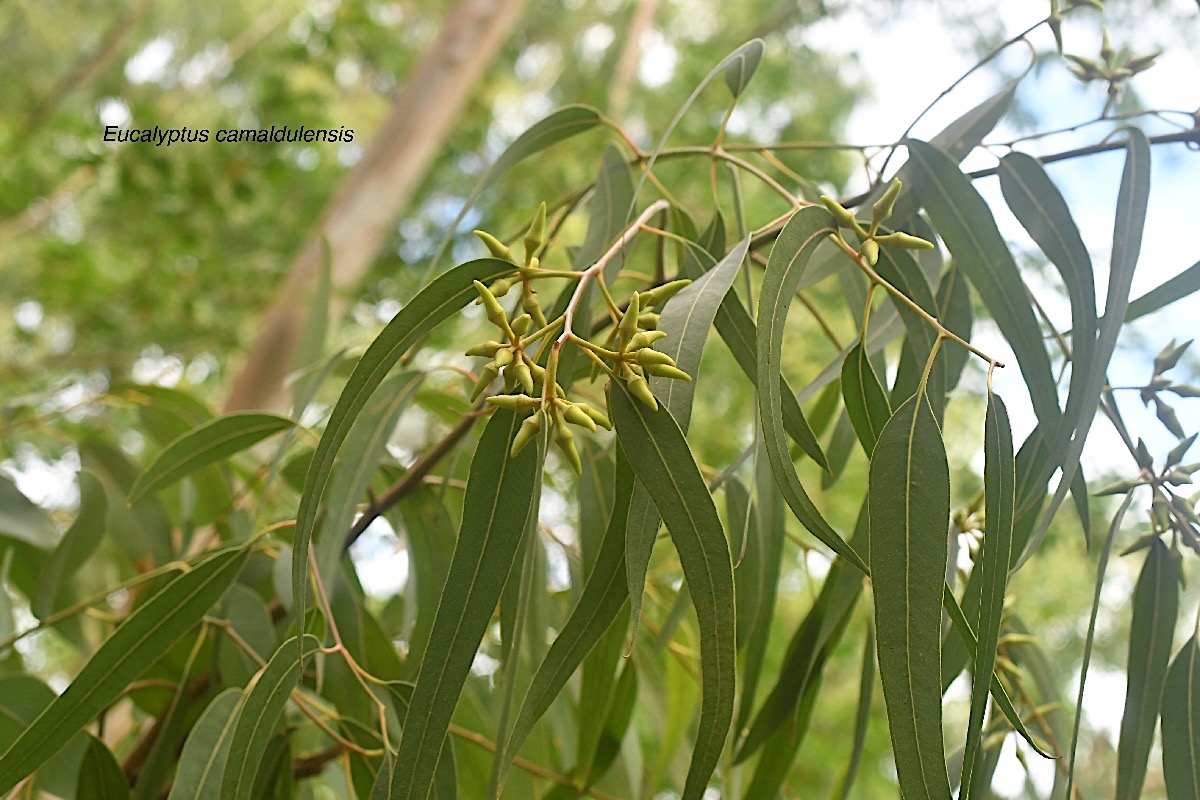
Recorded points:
880,212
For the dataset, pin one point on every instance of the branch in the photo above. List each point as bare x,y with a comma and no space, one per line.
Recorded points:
413,478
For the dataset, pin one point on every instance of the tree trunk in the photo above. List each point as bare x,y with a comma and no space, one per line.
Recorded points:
359,218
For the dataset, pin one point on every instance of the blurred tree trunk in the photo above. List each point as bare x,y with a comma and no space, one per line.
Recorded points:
359,218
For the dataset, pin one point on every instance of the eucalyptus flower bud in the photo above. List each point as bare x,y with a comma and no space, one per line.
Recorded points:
628,326
597,416
527,431
1106,49
870,251
496,247
487,349
566,443
639,388
885,205
648,320
667,371
521,373
521,324
515,402
576,416
499,288
842,216
486,376
491,306
645,339
503,358
536,235
661,294
650,358
904,241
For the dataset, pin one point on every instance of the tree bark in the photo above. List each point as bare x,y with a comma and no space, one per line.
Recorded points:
358,219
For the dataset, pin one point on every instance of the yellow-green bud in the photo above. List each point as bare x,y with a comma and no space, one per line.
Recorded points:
491,306
500,288
645,339
486,376
1142,63
538,371
648,320
904,241
521,324
870,251
1161,512
496,247
650,358
503,358
597,416
487,349
515,402
843,217
577,416
1106,49
885,205
661,294
667,371
535,237
1118,487
628,326
521,372
641,390
566,443
527,431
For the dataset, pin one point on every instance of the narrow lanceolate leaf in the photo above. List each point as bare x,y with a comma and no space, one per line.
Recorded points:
1182,285
604,595
1090,639
1132,200
100,776
211,442
866,403
803,232
433,305
259,715
1000,497
661,458
132,648
909,499
1155,607
1181,724
202,762
969,230
687,319
498,497
862,716
76,546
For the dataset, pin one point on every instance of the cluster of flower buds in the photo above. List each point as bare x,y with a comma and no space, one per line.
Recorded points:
880,211
527,270
1110,69
636,357
508,357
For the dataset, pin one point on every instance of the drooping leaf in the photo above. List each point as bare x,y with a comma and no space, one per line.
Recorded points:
866,403
22,698
127,653
74,549
429,534
433,305
1000,497
661,458
100,776
212,442
202,762
909,499
366,445
22,520
807,228
1132,201
258,715
1101,568
969,230
862,716
498,498
1155,608
1181,724
687,319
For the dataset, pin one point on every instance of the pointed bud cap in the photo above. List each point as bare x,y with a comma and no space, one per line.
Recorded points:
527,431
535,237
496,247
641,390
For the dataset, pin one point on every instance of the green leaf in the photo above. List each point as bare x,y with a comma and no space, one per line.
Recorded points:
126,654
1090,639
445,781
807,228
74,549
1000,497
1181,724
259,715
866,403
1155,608
22,520
212,442
1182,285
909,500
559,125
661,458
434,304
100,776
498,498
966,224
366,444
741,70
862,716
202,762
429,535
1132,200
687,318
